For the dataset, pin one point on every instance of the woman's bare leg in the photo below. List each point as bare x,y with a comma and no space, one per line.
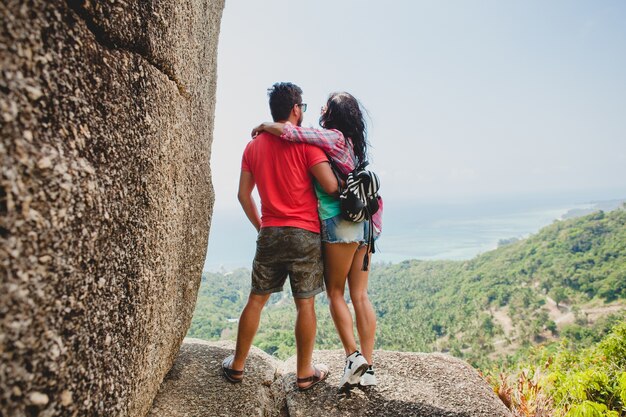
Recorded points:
364,312
337,262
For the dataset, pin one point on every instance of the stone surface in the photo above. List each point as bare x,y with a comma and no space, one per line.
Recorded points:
410,384
106,112
196,386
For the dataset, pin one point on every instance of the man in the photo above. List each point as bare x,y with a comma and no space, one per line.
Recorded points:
288,242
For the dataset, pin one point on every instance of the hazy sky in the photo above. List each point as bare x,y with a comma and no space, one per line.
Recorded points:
468,99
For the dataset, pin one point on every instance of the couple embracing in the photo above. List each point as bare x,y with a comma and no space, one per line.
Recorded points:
290,167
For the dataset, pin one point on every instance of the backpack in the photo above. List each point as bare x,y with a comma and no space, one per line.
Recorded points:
358,200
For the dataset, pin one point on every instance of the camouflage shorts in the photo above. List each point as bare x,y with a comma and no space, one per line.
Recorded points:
282,251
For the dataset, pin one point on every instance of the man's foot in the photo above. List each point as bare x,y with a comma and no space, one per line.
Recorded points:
356,365
231,374
368,378
320,373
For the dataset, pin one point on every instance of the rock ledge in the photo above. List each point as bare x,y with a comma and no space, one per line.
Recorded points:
410,384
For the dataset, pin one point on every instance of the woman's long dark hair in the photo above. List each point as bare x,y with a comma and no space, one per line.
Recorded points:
344,113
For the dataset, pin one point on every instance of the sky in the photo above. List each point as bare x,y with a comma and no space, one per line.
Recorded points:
467,100
473,106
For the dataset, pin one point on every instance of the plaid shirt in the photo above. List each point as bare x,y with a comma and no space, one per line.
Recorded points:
331,141
338,148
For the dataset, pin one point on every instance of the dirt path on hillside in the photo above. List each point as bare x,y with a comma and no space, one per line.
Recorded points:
560,315
593,314
563,314
504,320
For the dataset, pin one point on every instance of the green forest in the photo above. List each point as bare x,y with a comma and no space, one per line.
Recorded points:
559,294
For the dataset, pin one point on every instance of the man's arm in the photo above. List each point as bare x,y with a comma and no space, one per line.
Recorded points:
246,185
325,176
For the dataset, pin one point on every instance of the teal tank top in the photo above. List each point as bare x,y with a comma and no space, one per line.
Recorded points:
327,206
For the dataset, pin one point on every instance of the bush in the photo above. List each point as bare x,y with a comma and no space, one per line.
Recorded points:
588,382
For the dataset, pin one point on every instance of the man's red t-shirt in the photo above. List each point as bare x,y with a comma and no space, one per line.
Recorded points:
281,171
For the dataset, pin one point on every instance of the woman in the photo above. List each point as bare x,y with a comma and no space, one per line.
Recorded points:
344,242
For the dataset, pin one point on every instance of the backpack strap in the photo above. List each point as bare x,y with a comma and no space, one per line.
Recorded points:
338,174
371,247
362,165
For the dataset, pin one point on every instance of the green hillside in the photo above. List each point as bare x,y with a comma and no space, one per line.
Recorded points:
560,381
564,280
464,306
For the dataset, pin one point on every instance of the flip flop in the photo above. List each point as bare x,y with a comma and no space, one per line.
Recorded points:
231,374
321,372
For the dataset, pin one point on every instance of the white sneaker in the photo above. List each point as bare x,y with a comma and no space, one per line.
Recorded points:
368,378
356,365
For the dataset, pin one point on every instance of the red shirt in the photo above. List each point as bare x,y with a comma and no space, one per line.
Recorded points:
281,171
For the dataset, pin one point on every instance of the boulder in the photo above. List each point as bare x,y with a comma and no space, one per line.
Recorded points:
409,384
195,386
106,111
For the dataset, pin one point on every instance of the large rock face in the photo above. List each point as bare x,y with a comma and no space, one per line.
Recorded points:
105,197
410,384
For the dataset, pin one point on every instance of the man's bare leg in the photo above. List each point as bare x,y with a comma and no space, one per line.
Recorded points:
306,327
248,325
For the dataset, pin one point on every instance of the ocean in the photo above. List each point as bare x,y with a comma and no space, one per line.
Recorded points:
416,230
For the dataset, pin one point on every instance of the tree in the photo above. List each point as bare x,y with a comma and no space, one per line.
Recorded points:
558,295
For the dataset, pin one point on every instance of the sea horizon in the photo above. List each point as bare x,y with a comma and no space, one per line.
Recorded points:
442,231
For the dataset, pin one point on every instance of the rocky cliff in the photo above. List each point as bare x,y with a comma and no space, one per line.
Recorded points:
105,197
410,384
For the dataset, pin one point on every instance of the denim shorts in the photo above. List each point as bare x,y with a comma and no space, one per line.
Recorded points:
338,230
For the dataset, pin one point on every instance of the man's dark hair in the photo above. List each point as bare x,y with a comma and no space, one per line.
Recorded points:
283,96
